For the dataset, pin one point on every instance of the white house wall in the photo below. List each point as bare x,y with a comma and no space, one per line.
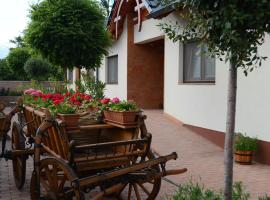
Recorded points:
204,105
119,48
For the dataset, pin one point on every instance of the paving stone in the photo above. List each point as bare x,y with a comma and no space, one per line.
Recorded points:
203,159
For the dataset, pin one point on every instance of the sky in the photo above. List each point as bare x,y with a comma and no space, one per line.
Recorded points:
13,20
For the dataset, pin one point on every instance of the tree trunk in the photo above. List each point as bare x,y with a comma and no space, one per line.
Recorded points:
229,137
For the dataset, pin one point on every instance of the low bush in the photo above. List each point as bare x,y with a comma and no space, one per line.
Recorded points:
196,191
38,69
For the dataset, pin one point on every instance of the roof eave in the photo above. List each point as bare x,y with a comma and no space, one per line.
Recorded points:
158,13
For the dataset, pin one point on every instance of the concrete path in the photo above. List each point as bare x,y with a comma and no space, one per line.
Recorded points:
203,160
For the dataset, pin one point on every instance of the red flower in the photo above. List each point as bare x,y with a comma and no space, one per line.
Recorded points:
87,97
57,102
77,103
105,101
68,94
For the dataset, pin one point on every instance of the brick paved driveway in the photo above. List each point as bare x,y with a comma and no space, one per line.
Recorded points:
203,160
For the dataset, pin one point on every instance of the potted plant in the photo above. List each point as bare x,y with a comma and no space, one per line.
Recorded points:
119,112
244,148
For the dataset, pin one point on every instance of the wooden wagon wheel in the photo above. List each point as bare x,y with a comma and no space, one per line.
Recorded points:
142,190
56,180
18,161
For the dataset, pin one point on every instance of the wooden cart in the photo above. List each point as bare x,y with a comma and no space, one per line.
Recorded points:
93,161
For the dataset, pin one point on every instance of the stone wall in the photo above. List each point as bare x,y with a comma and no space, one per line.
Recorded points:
13,85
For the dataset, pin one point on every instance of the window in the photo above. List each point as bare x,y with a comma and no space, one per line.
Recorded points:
198,66
70,75
112,70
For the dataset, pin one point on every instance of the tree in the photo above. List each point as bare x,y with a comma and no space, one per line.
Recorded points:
18,42
68,32
5,70
232,30
38,69
106,4
16,60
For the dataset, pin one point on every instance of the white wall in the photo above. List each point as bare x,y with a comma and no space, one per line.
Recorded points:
119,48
204,105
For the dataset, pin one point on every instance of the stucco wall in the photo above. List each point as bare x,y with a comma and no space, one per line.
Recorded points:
119,48
204,105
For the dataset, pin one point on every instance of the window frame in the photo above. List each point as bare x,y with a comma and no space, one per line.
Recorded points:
202,79
107,70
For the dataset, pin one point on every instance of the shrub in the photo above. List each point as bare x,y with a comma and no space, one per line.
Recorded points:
94,87
266,197
196,191
5,70
16,59
38,68
245,143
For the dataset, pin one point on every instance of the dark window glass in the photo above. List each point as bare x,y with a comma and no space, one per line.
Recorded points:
112,70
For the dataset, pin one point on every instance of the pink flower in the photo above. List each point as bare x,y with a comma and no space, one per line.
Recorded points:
29,91
36,93
115,100
105,101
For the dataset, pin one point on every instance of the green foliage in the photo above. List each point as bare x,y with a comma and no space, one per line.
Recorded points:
266,197
80,86
245,143
19,42
123,106
68,32
196,191
232,29
16,59
5,71
57,74
63,108
94,87
239,193
38,69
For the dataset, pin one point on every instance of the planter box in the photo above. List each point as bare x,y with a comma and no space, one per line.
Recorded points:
243,157
122,118
71,121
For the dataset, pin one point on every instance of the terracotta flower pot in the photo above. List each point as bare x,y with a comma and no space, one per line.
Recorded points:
243,157
71,120
121,117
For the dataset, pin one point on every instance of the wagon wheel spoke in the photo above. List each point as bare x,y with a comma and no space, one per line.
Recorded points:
144,188
129,191
136,191
50,179
55,182
45,184
62,183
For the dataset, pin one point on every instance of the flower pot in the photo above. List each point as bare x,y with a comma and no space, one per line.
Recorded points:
71,121
243,157
121,117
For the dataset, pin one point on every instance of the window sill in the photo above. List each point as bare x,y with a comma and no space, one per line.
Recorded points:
196,83
111,83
